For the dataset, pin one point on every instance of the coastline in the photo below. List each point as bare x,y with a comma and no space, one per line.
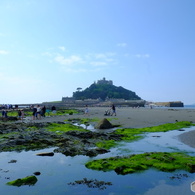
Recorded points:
128,117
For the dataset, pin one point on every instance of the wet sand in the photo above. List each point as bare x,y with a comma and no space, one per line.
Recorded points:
128,117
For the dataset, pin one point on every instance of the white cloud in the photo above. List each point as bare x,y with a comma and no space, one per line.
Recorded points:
104,55
3,52
83,63
122,44
98,63
62,48
71,60
142,55
76,70
47,54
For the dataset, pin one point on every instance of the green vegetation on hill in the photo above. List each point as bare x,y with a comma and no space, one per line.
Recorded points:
103,91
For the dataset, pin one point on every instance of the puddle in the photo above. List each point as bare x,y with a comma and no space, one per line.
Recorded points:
59,170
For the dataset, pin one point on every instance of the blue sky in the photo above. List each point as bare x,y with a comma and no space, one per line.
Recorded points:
49,48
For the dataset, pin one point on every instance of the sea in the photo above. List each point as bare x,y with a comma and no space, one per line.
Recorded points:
185,107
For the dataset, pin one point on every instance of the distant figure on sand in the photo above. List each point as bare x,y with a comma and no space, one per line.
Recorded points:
43,110
19,114
53,109
4,113
86,110
113,110
38,112
34,114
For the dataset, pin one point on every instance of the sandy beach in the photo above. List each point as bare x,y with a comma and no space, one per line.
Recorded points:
128,117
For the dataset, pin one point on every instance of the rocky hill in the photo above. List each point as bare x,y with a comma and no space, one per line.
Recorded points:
105,89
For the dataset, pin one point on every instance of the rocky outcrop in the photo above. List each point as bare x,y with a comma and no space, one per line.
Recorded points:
104,124
20,136
45,154
9,118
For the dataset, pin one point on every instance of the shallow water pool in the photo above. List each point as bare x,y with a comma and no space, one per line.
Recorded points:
59,171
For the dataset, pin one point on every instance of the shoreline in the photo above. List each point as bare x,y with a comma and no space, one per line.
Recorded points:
128,117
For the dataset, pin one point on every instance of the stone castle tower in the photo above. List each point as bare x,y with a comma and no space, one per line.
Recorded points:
104,81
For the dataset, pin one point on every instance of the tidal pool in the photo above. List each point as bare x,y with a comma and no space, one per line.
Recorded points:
58,171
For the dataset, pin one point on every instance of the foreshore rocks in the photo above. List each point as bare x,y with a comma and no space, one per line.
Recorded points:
104,124
33,136
9,118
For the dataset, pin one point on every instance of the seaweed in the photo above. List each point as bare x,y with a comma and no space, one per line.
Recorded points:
29,180
163,161
131,134
59,129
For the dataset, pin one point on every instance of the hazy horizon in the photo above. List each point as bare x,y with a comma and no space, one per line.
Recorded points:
50,48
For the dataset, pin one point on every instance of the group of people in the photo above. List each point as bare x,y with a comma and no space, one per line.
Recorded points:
20,114
37,112
40,111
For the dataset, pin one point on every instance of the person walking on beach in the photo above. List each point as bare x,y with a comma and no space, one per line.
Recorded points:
38,112
53,109
34,114
22,114
43,110
86,110
4,113
19,114
113,110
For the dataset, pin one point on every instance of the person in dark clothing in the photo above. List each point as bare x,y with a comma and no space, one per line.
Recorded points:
4,113
34,114
43,110
113,110
53,109
19,114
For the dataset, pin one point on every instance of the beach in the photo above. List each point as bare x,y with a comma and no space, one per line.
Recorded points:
128,117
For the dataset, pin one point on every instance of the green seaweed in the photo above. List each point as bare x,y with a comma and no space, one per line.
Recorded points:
162,161
30,180
62,128
136,134
131,134
107,144
67,111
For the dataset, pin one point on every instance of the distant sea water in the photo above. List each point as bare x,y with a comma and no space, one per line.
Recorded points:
189,106
185,107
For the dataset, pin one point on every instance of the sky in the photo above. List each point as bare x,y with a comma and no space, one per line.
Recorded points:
49,48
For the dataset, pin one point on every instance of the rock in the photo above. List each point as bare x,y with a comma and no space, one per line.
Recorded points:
9,118
95,152
12,161
104,124
45,154
37,173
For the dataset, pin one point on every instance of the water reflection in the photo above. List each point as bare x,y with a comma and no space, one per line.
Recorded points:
59,170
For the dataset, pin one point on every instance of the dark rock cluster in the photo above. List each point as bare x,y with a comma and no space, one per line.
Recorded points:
33,136
91,183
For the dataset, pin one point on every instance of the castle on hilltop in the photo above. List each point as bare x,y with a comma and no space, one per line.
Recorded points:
104,81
